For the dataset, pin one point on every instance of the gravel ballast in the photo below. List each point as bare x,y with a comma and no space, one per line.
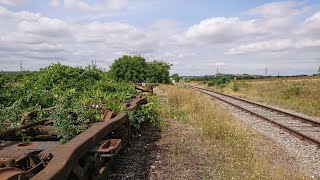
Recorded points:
307,156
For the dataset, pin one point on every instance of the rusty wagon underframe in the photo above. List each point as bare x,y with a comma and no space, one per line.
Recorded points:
87,156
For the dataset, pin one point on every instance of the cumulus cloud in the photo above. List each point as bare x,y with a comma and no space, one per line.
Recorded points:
272,28
46,39
220,63
44,26
274,46
311,26
107,5
54,3
279,9
222,30
12,2
259,35
9,16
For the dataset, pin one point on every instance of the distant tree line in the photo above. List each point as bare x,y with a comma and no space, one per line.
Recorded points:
137,69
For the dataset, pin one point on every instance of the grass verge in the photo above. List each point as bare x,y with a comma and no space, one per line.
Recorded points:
220,146
301,95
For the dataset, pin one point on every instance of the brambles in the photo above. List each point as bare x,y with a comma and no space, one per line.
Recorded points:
146,113
68,92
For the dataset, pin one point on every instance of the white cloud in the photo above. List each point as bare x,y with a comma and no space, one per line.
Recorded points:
107,5
6,15
12,2
275,29
54,3
278,9
33,36
117,4
220,63
274,46
222,30
44,26
311,26
260,36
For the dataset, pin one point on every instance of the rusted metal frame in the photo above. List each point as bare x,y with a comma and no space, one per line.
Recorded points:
316,123
11,131
66,156
290,130
147,84
141,89
137,102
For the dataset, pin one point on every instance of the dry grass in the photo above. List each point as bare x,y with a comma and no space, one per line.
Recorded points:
298,94
221,146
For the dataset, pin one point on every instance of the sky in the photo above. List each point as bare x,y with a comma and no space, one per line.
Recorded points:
197,37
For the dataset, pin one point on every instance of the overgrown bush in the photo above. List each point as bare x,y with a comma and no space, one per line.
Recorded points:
293,90
236,86
137,69
146,113
218,81
71,91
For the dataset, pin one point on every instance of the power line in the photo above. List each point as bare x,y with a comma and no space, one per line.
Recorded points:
266,71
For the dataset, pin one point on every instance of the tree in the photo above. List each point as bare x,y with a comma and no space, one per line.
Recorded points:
129,68
136,69
175,77
319,71
158,72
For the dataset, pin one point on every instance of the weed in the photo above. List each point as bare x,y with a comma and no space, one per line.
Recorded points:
294,89
298,94
235,86
229,147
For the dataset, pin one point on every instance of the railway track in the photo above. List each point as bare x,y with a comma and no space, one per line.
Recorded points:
301,127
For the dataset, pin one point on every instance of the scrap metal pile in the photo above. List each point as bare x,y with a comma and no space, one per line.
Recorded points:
86,156
58,127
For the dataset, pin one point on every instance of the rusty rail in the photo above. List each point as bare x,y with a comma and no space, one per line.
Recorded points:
145,87
88,155
288,129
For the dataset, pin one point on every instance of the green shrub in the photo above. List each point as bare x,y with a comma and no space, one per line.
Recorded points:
70,90
146,113
218,81
236,86
137,69
293,90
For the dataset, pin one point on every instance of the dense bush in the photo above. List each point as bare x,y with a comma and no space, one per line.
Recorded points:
175,77
158,72
236,86
293,90
71,91
137,69
146,113
218,81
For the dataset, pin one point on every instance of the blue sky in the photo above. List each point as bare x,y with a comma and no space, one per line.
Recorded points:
197,37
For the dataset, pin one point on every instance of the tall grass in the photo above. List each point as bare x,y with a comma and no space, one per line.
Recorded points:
232,148
301,95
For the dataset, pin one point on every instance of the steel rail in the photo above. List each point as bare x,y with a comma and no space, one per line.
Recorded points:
301,118
288,129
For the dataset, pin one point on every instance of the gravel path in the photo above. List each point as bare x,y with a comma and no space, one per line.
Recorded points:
136,159
307,155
